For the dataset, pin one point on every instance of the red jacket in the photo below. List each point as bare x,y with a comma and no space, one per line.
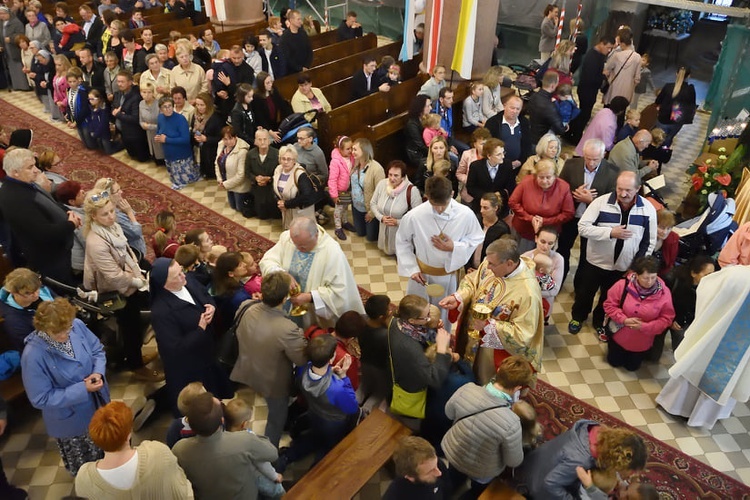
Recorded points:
555,205
655,311
341,351
669,249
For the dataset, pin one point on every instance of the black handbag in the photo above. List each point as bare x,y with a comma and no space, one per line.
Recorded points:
228,348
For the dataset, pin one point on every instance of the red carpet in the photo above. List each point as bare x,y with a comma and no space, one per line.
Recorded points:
676,475
146,195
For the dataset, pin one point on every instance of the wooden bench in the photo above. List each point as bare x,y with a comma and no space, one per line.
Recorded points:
323,39
498,490
353,118
335,71
328,53
12,388
162,30
347,467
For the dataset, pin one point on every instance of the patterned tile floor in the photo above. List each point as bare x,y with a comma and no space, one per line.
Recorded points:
574,364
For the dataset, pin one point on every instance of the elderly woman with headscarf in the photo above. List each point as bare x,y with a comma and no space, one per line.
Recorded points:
63,366
182,315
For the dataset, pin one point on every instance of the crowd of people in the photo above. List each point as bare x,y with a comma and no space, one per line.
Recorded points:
483,231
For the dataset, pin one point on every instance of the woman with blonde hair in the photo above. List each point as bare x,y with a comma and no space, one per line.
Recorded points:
63,367
492,104
148,472
230,169
550,470
677,105
110,266
294,191
187,74
549,147
148,115
366,173
437,150
542,199
560,62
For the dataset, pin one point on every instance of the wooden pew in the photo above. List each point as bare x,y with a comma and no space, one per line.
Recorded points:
347,467
385,136
335,70
157,17
323,39
498,490
354,117
236,37
162,30
328,53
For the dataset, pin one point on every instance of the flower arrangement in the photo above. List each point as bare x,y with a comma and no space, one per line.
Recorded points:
711,177
671,20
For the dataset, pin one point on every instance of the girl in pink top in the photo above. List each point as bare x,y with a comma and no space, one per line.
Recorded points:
339,173
432,128
60,86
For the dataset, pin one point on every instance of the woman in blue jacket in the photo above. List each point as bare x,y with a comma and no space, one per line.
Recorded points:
173,132
63,367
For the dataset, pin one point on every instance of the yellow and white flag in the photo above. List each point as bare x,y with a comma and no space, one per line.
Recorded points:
463,55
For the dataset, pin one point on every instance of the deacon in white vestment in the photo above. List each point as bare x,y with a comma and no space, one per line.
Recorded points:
712,371
317,263
435,240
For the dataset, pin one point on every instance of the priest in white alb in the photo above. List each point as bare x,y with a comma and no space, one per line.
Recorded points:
712,371
319,266
435,240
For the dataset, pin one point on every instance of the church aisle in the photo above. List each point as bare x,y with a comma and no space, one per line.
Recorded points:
574,364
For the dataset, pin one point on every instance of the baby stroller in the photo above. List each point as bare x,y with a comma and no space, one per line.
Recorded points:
97,311
708,232
291,124
526,78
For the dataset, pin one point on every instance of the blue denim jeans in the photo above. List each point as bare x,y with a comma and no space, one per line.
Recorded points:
367,229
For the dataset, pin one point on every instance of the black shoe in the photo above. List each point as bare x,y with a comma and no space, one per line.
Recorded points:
574,327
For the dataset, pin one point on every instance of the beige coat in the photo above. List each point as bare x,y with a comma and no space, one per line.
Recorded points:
269,344
104,270
235,180
374,173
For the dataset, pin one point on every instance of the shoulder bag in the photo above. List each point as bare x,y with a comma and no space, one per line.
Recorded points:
408,404
478,412
610,325
607,82
228,347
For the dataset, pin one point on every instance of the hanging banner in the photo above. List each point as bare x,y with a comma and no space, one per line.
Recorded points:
463,54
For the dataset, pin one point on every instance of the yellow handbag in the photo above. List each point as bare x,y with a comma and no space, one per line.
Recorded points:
408,404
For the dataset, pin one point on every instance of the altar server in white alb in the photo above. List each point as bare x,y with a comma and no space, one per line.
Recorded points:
317,263
435,240
712,371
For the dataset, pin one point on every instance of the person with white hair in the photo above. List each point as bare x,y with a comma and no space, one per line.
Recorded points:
39,228
320,268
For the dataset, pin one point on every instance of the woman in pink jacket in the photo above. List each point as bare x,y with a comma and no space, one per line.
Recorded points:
539,200
339,173
639,308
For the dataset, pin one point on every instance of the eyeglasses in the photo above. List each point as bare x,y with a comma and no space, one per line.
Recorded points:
104,195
